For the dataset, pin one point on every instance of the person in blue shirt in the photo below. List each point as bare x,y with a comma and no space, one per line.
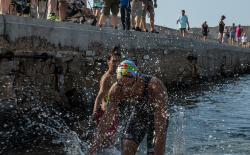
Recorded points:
125,11
232,34
183,22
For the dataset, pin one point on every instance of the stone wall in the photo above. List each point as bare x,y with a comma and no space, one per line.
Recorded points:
80,54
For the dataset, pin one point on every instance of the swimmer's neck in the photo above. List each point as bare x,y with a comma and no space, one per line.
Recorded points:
111,72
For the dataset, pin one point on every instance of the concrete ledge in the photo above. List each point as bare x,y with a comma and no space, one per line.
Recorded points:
77,35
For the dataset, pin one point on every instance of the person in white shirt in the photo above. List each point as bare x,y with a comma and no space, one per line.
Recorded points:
244,40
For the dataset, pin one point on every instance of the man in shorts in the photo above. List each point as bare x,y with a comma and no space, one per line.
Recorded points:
136,10
148,96
63,6
108,5
232,34
148,8
183,22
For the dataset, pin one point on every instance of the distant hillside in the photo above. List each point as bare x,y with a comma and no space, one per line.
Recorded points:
215,30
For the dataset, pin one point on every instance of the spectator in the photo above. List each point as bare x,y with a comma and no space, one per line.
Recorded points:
225,34
53,6
63,6
97,7
40,8
238,34
88,13
136,10
183,22
232,34
148,7
221,27
108,5
205,30
244,40
125,11
4,6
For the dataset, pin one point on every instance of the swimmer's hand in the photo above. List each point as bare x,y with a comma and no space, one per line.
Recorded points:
92,117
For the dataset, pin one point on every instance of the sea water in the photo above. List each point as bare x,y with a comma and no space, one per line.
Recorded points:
208,118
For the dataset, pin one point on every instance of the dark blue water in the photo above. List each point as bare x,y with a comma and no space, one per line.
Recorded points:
212,118
207,119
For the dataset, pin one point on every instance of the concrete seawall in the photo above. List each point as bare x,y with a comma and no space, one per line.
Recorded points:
80,53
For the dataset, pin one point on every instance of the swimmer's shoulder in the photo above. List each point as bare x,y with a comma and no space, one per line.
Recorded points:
106,78
156,84
117,91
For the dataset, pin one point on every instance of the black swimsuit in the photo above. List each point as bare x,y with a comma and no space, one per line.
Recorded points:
221,28
204,30
141,121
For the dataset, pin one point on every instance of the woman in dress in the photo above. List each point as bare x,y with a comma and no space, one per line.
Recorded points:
205,30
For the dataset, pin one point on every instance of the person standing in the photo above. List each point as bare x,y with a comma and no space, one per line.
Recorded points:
4,6
148,8
244,40
136,11
97,7
125,11
225,34
221,27
232,31
108,5
238,34
183,22
205,30
107,80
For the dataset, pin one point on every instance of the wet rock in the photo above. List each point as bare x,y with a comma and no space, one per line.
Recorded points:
7,104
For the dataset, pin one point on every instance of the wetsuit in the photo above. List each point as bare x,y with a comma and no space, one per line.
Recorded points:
113,126
141,121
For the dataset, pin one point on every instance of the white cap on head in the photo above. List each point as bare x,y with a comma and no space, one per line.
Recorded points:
244,34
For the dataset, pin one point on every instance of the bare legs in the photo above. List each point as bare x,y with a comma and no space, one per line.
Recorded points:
114,17
62,10
4,6
152,23
96,12
220,38
129,147
204,38
103,17
143,22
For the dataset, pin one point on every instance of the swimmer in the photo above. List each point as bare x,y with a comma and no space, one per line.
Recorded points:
149,116
107,80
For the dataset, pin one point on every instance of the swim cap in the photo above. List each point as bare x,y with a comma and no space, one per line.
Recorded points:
126,69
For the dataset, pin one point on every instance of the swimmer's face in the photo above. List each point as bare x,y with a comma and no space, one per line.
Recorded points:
114,62
127,83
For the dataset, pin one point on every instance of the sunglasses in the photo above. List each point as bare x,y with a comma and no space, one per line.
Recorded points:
128,85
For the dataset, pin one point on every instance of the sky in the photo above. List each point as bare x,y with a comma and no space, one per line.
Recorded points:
236,11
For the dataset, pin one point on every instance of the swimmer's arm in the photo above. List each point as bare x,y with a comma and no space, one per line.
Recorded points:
103,126
104,86
159,101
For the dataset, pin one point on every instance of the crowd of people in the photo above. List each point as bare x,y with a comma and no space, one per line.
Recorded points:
129,9
231,34
133,16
